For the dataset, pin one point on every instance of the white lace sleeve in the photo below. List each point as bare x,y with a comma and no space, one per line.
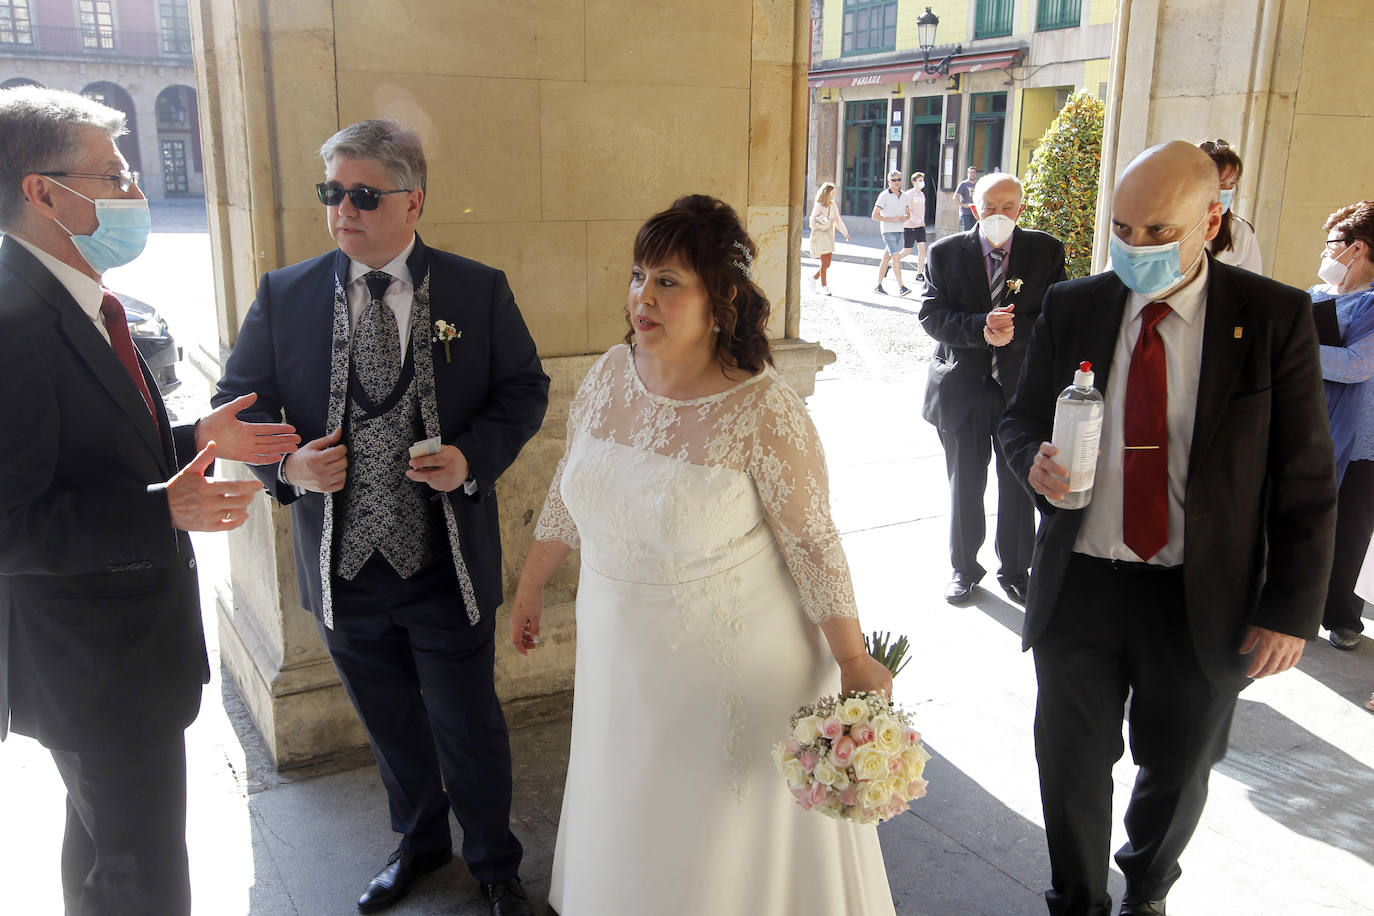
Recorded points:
788,468
555,522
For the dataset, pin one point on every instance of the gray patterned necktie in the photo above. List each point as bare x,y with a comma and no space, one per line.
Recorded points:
998,286
377,340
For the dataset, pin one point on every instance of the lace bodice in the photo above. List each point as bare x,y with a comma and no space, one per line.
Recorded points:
658,490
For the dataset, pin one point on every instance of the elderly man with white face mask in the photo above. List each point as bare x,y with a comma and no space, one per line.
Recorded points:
983,293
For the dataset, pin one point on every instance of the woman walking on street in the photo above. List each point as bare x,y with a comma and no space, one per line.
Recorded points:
825,219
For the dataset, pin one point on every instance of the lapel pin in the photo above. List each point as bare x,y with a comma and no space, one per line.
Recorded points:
1239,332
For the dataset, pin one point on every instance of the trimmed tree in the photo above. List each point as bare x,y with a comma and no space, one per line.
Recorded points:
1061,182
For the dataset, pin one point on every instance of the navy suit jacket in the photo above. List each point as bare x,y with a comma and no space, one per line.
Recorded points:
101,645
954,310
1260,504
491,395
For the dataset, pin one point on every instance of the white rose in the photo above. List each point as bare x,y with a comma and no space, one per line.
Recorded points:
889,734
807,729
914,763
896,787
826,774
796,776
852,710
779,754
875,794
841,780
869,763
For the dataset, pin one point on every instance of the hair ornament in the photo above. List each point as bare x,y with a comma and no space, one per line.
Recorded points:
746,263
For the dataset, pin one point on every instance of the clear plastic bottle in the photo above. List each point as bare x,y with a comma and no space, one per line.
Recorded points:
1077,431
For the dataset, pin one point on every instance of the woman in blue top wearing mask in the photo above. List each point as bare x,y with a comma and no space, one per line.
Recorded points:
1347,274
1235,243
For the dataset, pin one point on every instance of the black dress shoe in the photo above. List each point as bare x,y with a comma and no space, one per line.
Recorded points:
1016,591
393,882
1133,905
507,898
959,589
1344,639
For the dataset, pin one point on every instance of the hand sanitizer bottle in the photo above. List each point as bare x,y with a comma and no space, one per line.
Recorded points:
1077,431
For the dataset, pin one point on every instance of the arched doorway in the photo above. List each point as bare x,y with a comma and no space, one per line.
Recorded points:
113,95
178,139
18,81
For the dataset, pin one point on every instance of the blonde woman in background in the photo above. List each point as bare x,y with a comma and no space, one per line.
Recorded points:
825,219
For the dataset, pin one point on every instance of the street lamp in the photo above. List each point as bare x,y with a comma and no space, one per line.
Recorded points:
925,34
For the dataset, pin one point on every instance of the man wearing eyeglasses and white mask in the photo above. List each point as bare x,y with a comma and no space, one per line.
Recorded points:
1202,558
102,653
415,383
983,294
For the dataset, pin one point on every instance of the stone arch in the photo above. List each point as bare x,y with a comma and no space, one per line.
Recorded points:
178,137
18,81
115,96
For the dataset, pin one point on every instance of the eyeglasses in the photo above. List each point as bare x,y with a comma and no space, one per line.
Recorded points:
362,197
898,178
124,178
1330,242
1211,146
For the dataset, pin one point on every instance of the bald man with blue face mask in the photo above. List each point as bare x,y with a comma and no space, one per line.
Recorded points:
1201,561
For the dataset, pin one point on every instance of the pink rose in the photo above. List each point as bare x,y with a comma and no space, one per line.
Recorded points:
819,794
861,732
850,796
803,797
842,751
916,789
894,765
793,746
832,728
809,758
913,737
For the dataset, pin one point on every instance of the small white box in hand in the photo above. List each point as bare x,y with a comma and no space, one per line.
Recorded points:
431,446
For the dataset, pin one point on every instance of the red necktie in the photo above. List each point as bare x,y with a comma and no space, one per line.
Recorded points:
116,323
1145,492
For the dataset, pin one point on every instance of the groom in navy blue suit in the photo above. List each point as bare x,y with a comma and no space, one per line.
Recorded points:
413,378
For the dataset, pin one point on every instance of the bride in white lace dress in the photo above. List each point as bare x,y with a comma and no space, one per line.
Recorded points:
712,580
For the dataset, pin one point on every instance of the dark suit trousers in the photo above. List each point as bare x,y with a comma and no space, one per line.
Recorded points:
1116,633
1354,525
420,678
124,851
968,449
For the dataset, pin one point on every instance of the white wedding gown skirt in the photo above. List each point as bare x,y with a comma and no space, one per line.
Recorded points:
692,652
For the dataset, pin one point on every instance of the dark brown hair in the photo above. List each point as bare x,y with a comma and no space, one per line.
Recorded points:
1355,221
705,234
1225,158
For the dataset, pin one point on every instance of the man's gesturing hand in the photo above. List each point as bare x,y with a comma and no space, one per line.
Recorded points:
445,471
251,443
198,504
998,329
320,465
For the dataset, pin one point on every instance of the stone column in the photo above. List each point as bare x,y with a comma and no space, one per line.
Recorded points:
550,138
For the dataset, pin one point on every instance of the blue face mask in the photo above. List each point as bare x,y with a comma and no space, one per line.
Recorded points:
121,232
1227,196
1149,269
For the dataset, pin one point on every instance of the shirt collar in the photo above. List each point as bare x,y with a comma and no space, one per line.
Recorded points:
87,292
988,246
396,266
1187,301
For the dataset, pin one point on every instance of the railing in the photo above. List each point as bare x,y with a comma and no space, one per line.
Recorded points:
92,41
1058,14
992,19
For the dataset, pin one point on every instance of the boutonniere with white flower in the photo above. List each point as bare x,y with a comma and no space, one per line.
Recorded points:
446,334
1014,285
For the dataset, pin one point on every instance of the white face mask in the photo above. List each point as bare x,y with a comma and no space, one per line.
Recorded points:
1333,271
996,228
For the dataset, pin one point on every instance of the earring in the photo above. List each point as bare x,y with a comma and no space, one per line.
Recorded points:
715,330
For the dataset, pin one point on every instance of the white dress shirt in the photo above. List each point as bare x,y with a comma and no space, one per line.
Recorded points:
397,296
1181,330
87,292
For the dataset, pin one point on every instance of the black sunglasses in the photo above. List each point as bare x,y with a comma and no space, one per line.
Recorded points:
362,197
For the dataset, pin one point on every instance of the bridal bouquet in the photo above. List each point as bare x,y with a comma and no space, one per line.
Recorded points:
856,759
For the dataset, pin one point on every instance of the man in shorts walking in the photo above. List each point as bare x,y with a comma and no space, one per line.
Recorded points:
890,210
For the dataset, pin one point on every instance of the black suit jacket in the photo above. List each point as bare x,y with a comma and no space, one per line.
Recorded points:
101,645
491,396
954,310
1260,505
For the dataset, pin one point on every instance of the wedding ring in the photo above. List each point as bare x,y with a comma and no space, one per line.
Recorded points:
228,516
